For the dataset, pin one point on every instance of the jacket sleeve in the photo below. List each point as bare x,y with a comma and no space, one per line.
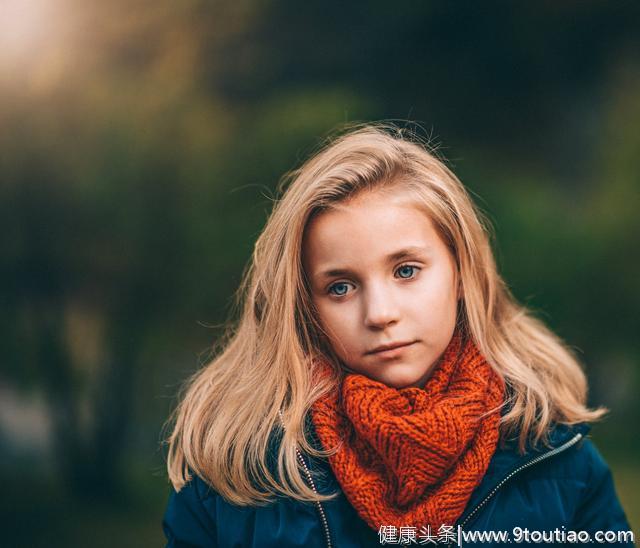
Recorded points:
187,521
600,510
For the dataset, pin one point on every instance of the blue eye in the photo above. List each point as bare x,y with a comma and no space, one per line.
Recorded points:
406,271
340,289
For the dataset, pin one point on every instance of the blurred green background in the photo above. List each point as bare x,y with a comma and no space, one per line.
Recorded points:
140,145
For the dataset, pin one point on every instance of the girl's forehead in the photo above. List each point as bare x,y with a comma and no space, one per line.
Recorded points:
372,228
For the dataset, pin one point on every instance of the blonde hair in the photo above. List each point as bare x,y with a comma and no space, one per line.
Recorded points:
264,380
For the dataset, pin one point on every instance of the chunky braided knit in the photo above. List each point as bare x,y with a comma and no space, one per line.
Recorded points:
413,456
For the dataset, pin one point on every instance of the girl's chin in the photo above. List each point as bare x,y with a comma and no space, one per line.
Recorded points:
395,375
399,381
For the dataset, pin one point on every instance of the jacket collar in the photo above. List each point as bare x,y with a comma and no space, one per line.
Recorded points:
508,457
507,460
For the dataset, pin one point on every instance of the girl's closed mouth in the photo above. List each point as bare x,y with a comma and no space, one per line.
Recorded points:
389,349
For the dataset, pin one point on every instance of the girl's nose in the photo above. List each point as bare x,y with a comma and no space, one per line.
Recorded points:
380,308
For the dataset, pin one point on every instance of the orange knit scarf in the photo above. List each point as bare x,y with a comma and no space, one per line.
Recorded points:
413,456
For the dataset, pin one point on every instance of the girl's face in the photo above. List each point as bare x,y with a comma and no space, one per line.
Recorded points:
385,287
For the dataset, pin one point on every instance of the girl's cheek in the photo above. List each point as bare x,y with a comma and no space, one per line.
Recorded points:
335,322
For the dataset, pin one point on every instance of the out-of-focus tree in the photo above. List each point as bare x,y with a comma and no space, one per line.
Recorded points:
98,137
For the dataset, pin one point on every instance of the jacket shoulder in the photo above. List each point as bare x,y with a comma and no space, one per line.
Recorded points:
199,516
189,518
568,485
600,507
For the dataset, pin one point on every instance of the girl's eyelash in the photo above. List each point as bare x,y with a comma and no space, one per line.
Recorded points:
414,267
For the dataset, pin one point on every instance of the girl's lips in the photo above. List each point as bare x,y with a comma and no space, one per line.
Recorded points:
390,350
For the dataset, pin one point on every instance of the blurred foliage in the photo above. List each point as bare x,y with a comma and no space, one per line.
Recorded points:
141,144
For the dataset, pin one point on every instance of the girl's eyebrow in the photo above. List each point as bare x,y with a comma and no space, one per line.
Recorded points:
405,253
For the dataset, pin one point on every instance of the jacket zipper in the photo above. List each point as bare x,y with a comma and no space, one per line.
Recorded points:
307,472
551,453
323,516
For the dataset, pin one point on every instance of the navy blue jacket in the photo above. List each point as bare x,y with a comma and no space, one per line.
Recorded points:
550,491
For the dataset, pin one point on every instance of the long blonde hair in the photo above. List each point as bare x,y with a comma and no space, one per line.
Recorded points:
264,379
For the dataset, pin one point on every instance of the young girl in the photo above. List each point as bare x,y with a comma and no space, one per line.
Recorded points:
382,386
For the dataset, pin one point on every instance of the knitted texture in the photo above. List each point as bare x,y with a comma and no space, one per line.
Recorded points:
413,456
